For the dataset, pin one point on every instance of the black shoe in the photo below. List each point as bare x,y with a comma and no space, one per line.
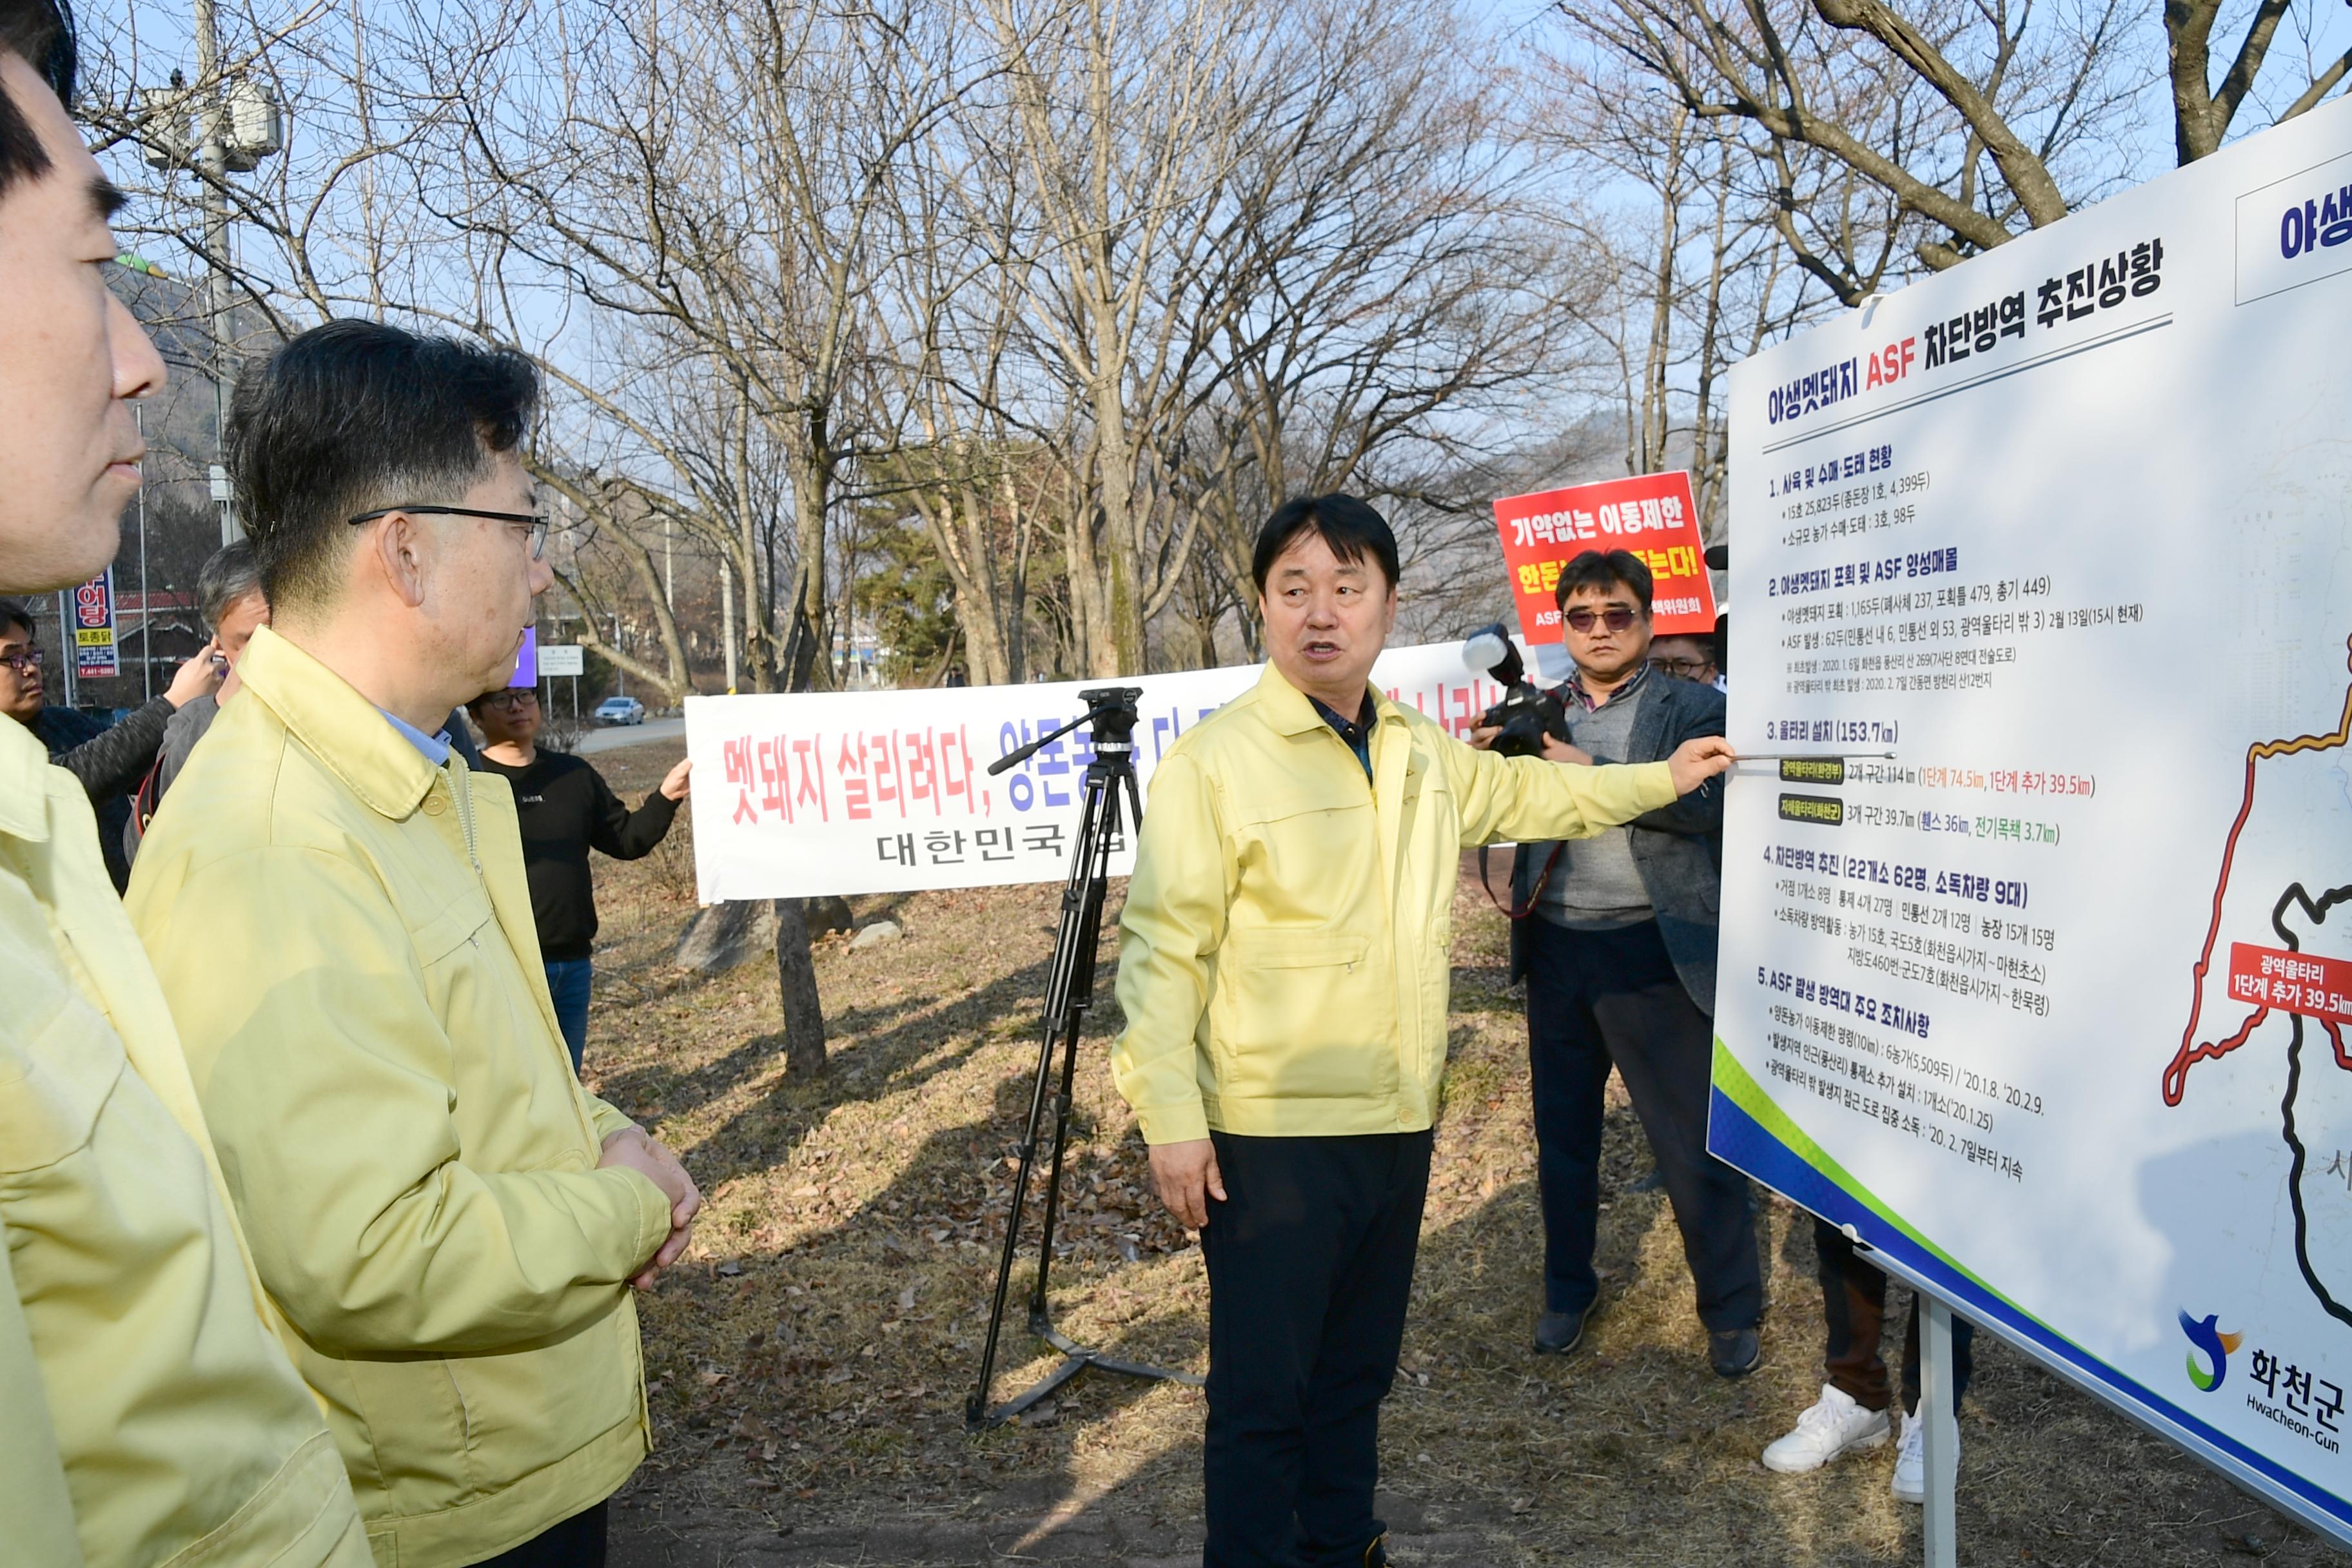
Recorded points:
1734,1353
1376,1555
1557,1333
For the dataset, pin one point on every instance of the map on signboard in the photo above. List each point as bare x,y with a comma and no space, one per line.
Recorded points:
2274,981
2274,985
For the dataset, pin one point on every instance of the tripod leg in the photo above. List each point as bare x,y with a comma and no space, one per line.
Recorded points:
1066,957
1101,818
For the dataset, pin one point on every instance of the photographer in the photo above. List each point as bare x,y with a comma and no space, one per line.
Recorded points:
1284,960
1616,937
109,759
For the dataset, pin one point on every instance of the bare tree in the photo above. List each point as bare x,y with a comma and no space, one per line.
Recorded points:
1973,120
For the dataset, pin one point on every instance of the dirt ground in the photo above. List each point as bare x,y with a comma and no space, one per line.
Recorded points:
810,1359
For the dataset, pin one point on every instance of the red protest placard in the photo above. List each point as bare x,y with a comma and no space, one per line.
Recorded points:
1650,514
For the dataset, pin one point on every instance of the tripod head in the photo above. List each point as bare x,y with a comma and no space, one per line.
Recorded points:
1111,710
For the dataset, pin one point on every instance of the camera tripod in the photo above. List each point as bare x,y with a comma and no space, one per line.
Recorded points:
1069,991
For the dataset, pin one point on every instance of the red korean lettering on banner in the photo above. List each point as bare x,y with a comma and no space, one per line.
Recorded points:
851,767
743,775
922,767
809,768
888,787
775,788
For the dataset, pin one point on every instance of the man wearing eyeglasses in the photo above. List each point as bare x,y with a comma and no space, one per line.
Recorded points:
337,909
1616,938
109,759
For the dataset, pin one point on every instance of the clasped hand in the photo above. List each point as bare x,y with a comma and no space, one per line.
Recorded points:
649,1156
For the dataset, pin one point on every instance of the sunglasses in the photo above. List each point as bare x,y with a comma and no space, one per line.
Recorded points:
1615,619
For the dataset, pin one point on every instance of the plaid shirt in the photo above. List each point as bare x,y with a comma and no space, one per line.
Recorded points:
1572,691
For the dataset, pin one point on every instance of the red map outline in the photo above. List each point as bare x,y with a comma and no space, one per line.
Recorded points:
2175,1075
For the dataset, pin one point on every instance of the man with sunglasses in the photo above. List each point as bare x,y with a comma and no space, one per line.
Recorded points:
337,909
567,809
1616,938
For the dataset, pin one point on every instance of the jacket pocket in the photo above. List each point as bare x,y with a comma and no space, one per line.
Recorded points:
451,927
1300,1018
52,1087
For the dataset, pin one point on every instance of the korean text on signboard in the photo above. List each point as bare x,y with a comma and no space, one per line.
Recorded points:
1652,515
94,653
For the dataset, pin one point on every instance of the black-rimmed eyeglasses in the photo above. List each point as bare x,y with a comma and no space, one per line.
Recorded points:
22,660
532,520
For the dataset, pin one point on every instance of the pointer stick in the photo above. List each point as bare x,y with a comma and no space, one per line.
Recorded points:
1814,756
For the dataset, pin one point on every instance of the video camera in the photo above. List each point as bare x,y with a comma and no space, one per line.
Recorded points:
1526,712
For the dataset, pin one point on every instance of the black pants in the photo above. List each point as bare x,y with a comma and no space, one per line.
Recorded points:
1853,1306
1311,1263
1595,997
577,1543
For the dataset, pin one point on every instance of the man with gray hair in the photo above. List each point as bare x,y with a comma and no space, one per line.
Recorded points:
229,597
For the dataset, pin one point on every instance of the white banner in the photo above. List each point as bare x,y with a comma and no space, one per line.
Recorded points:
884,792
2052,1006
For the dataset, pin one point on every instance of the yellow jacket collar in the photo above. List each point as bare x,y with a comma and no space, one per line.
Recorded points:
24,789
340,727
1289,712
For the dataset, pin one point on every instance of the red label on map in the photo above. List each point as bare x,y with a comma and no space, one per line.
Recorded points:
2292,982
1650,514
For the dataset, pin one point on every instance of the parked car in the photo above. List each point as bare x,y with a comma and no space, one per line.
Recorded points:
620,710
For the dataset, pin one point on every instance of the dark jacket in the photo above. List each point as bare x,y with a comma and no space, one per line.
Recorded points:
110,761
565,808
1678,847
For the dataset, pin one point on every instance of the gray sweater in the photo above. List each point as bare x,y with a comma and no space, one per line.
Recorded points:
1594,883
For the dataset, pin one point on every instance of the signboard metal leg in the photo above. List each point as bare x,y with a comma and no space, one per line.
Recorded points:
1938,1406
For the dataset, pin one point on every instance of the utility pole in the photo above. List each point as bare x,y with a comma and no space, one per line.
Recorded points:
212,183
146,593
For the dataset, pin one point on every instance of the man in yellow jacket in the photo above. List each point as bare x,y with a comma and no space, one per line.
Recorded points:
147,1412
1284,960
337,909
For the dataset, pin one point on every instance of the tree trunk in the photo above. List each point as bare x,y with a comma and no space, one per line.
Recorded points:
796,980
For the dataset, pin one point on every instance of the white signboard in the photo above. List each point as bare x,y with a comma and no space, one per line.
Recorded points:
560,658
872,791
2055,1006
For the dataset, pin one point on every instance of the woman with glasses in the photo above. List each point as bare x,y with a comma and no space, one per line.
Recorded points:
566,808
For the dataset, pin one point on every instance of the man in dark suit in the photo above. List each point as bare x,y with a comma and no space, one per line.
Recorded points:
1616,937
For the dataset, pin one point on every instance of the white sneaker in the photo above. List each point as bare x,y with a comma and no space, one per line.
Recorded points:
1834,1426
1910,1483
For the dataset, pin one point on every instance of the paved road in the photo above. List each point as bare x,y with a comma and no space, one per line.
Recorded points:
652,730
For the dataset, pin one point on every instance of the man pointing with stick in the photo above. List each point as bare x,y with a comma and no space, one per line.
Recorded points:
1284,965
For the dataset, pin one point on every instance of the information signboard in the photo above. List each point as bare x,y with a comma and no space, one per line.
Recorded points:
2050,1005
562,659
526,669
94,655
1652,515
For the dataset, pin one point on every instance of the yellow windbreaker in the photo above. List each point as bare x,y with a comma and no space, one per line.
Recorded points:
1285,951
344,935
147,1412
